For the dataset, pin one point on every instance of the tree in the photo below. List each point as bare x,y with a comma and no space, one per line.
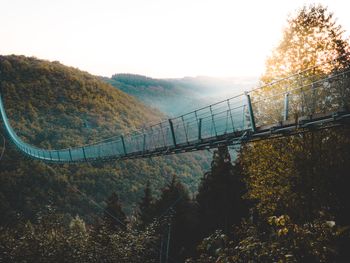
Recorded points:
303,176
177,217
220,194
146,206
311,38
294,174
292,169
282,241
297,182
114,215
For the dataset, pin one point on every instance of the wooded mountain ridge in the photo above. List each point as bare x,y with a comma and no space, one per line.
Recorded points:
53,106
177,96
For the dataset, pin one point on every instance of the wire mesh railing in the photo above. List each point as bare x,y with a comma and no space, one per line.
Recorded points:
305,97
287,99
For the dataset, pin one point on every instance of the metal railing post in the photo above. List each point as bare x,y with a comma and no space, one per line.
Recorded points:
229,107
313,106
84,153
200,129
144,143
212,119
183,124
123,143
286,106
70,154
172,131
251,114
152,144
243,116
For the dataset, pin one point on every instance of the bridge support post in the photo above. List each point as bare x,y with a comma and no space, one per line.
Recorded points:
286,106
172,131
123,143
250,110
229,108
212,119
183,123
200,129
144,143
314,94
70,155
84,153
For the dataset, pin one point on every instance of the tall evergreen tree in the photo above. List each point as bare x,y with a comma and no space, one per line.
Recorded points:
146,206
113,214
177,215
220,194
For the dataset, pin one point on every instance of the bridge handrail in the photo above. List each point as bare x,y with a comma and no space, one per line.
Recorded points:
177,131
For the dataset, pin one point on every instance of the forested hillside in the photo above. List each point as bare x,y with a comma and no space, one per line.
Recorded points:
54,106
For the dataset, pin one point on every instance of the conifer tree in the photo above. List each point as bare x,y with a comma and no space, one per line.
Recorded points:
146,206
114,215
220,194
177,214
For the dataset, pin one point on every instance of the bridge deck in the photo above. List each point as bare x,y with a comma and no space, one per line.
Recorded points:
302,103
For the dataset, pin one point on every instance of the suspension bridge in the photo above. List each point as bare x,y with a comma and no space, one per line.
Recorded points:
293,104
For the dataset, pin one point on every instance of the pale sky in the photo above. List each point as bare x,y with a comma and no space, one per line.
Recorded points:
157,38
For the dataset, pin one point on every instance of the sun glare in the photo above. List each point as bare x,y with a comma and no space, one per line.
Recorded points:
155,38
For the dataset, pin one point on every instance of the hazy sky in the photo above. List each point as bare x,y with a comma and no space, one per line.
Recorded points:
158,38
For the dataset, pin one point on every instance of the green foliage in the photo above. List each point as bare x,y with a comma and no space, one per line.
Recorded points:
298,185
220,194
146,207
54,106
298,175
51,240
175,208
113,214
279,240
311,37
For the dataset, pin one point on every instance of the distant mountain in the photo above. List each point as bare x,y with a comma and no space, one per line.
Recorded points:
217,87
176,96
